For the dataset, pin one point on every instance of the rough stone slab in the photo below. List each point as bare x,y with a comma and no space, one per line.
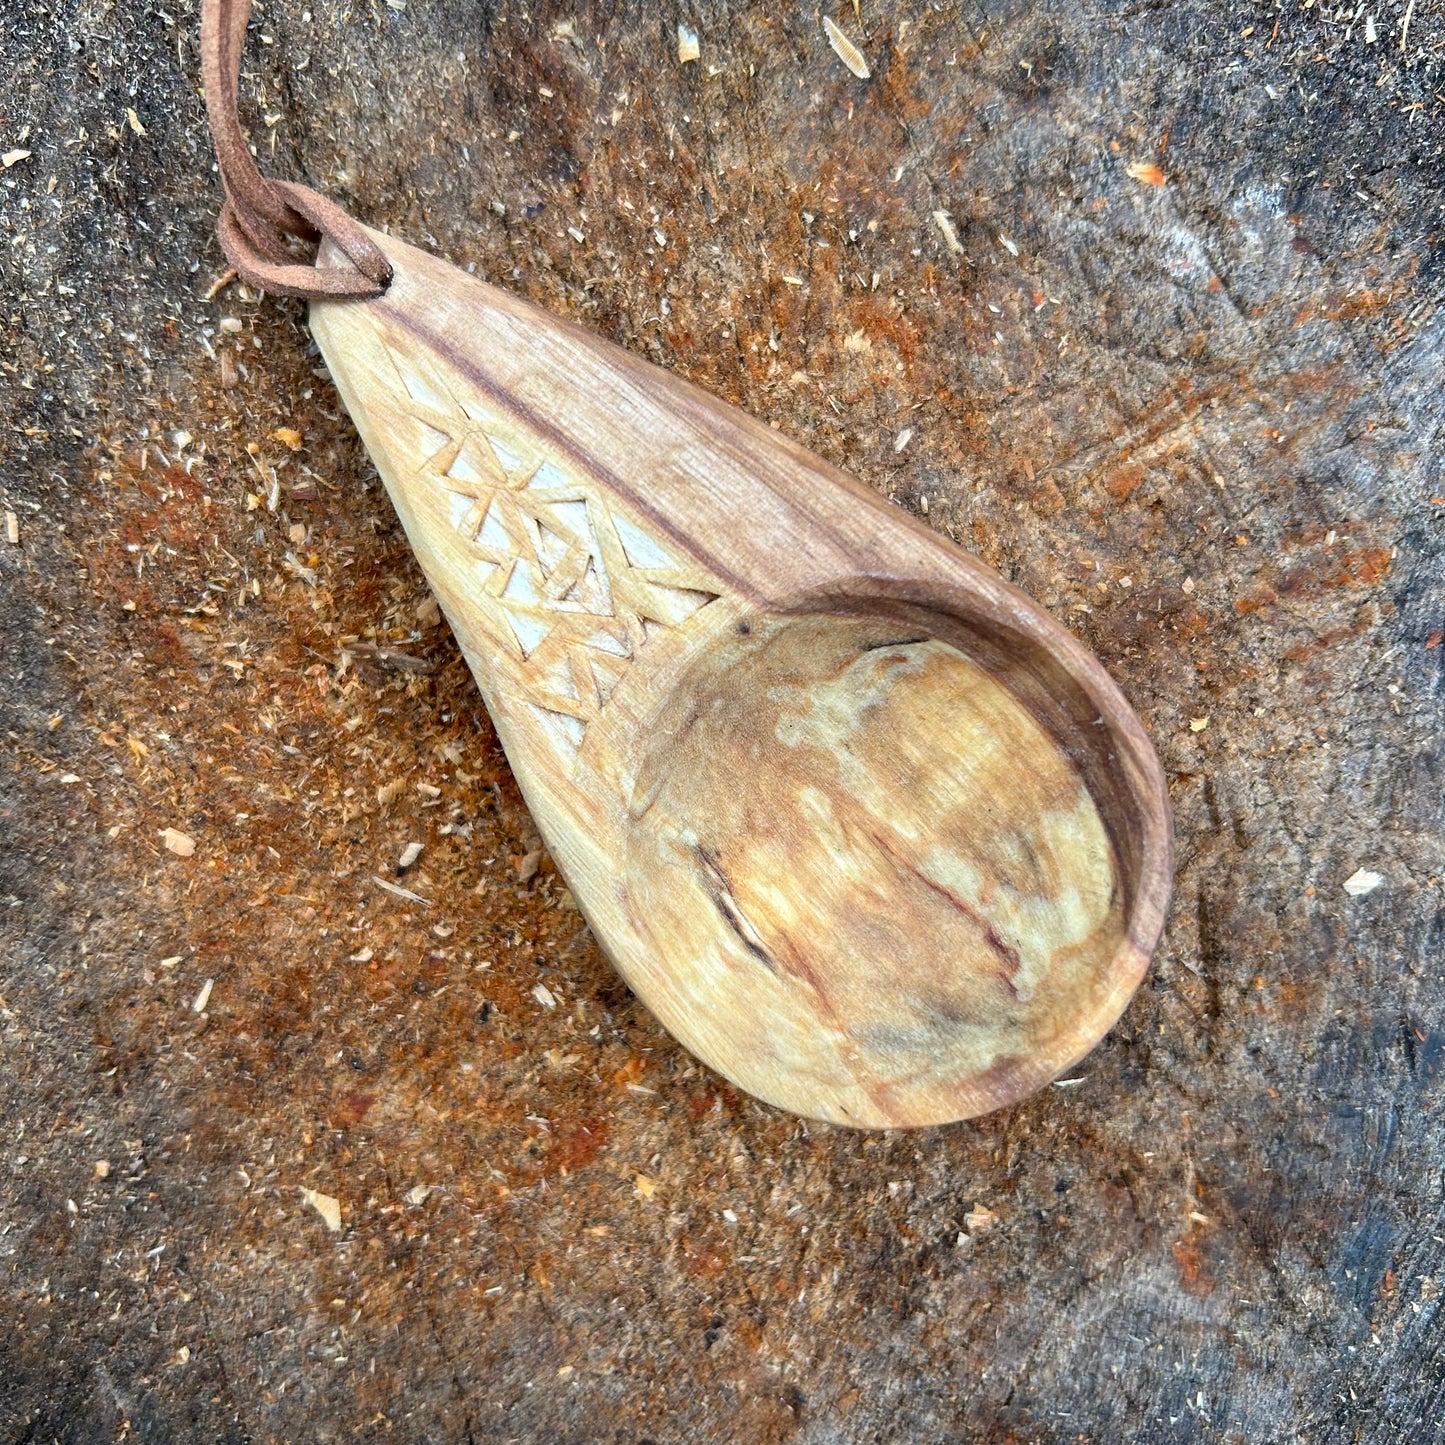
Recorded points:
1177,372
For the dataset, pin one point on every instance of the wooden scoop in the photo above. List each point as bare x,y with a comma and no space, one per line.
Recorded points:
870,833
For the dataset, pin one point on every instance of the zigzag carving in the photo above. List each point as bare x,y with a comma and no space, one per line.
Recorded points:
571,588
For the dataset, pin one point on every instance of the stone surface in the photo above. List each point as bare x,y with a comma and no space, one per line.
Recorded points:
1154,330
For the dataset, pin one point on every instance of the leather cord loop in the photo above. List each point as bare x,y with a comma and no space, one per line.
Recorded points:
259,214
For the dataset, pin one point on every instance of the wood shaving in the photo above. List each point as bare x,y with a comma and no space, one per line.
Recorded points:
1363,881
13,158
645,1186
846,51
204,997
289,437
327,1206
12,529
979,1219
688,49
1147,173
181,844
944,222
219,285
409,855
388,657
399,890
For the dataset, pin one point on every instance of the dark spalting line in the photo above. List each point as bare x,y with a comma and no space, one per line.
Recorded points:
1012,962
720,891
880,1094
895,642
604,478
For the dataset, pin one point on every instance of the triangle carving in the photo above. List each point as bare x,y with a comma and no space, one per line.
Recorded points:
572,588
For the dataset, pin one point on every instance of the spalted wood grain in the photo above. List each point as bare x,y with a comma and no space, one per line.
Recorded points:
868,832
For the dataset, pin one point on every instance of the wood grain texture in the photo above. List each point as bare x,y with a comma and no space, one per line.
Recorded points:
868,831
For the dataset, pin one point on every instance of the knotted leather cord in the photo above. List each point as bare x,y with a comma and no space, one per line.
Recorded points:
259,213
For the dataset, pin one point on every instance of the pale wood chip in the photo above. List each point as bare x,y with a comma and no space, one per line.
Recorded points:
399,890
328,1207
181,844
1363,881
980,1218
1147,173
219,285
688,49
846,51
944,222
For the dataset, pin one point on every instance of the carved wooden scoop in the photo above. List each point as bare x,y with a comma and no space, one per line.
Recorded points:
869,832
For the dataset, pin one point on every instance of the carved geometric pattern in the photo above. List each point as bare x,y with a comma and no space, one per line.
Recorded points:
572,588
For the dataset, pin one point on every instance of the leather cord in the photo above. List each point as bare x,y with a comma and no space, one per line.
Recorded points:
259,214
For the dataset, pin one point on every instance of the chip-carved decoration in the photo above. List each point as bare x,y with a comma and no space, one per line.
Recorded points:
571,588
